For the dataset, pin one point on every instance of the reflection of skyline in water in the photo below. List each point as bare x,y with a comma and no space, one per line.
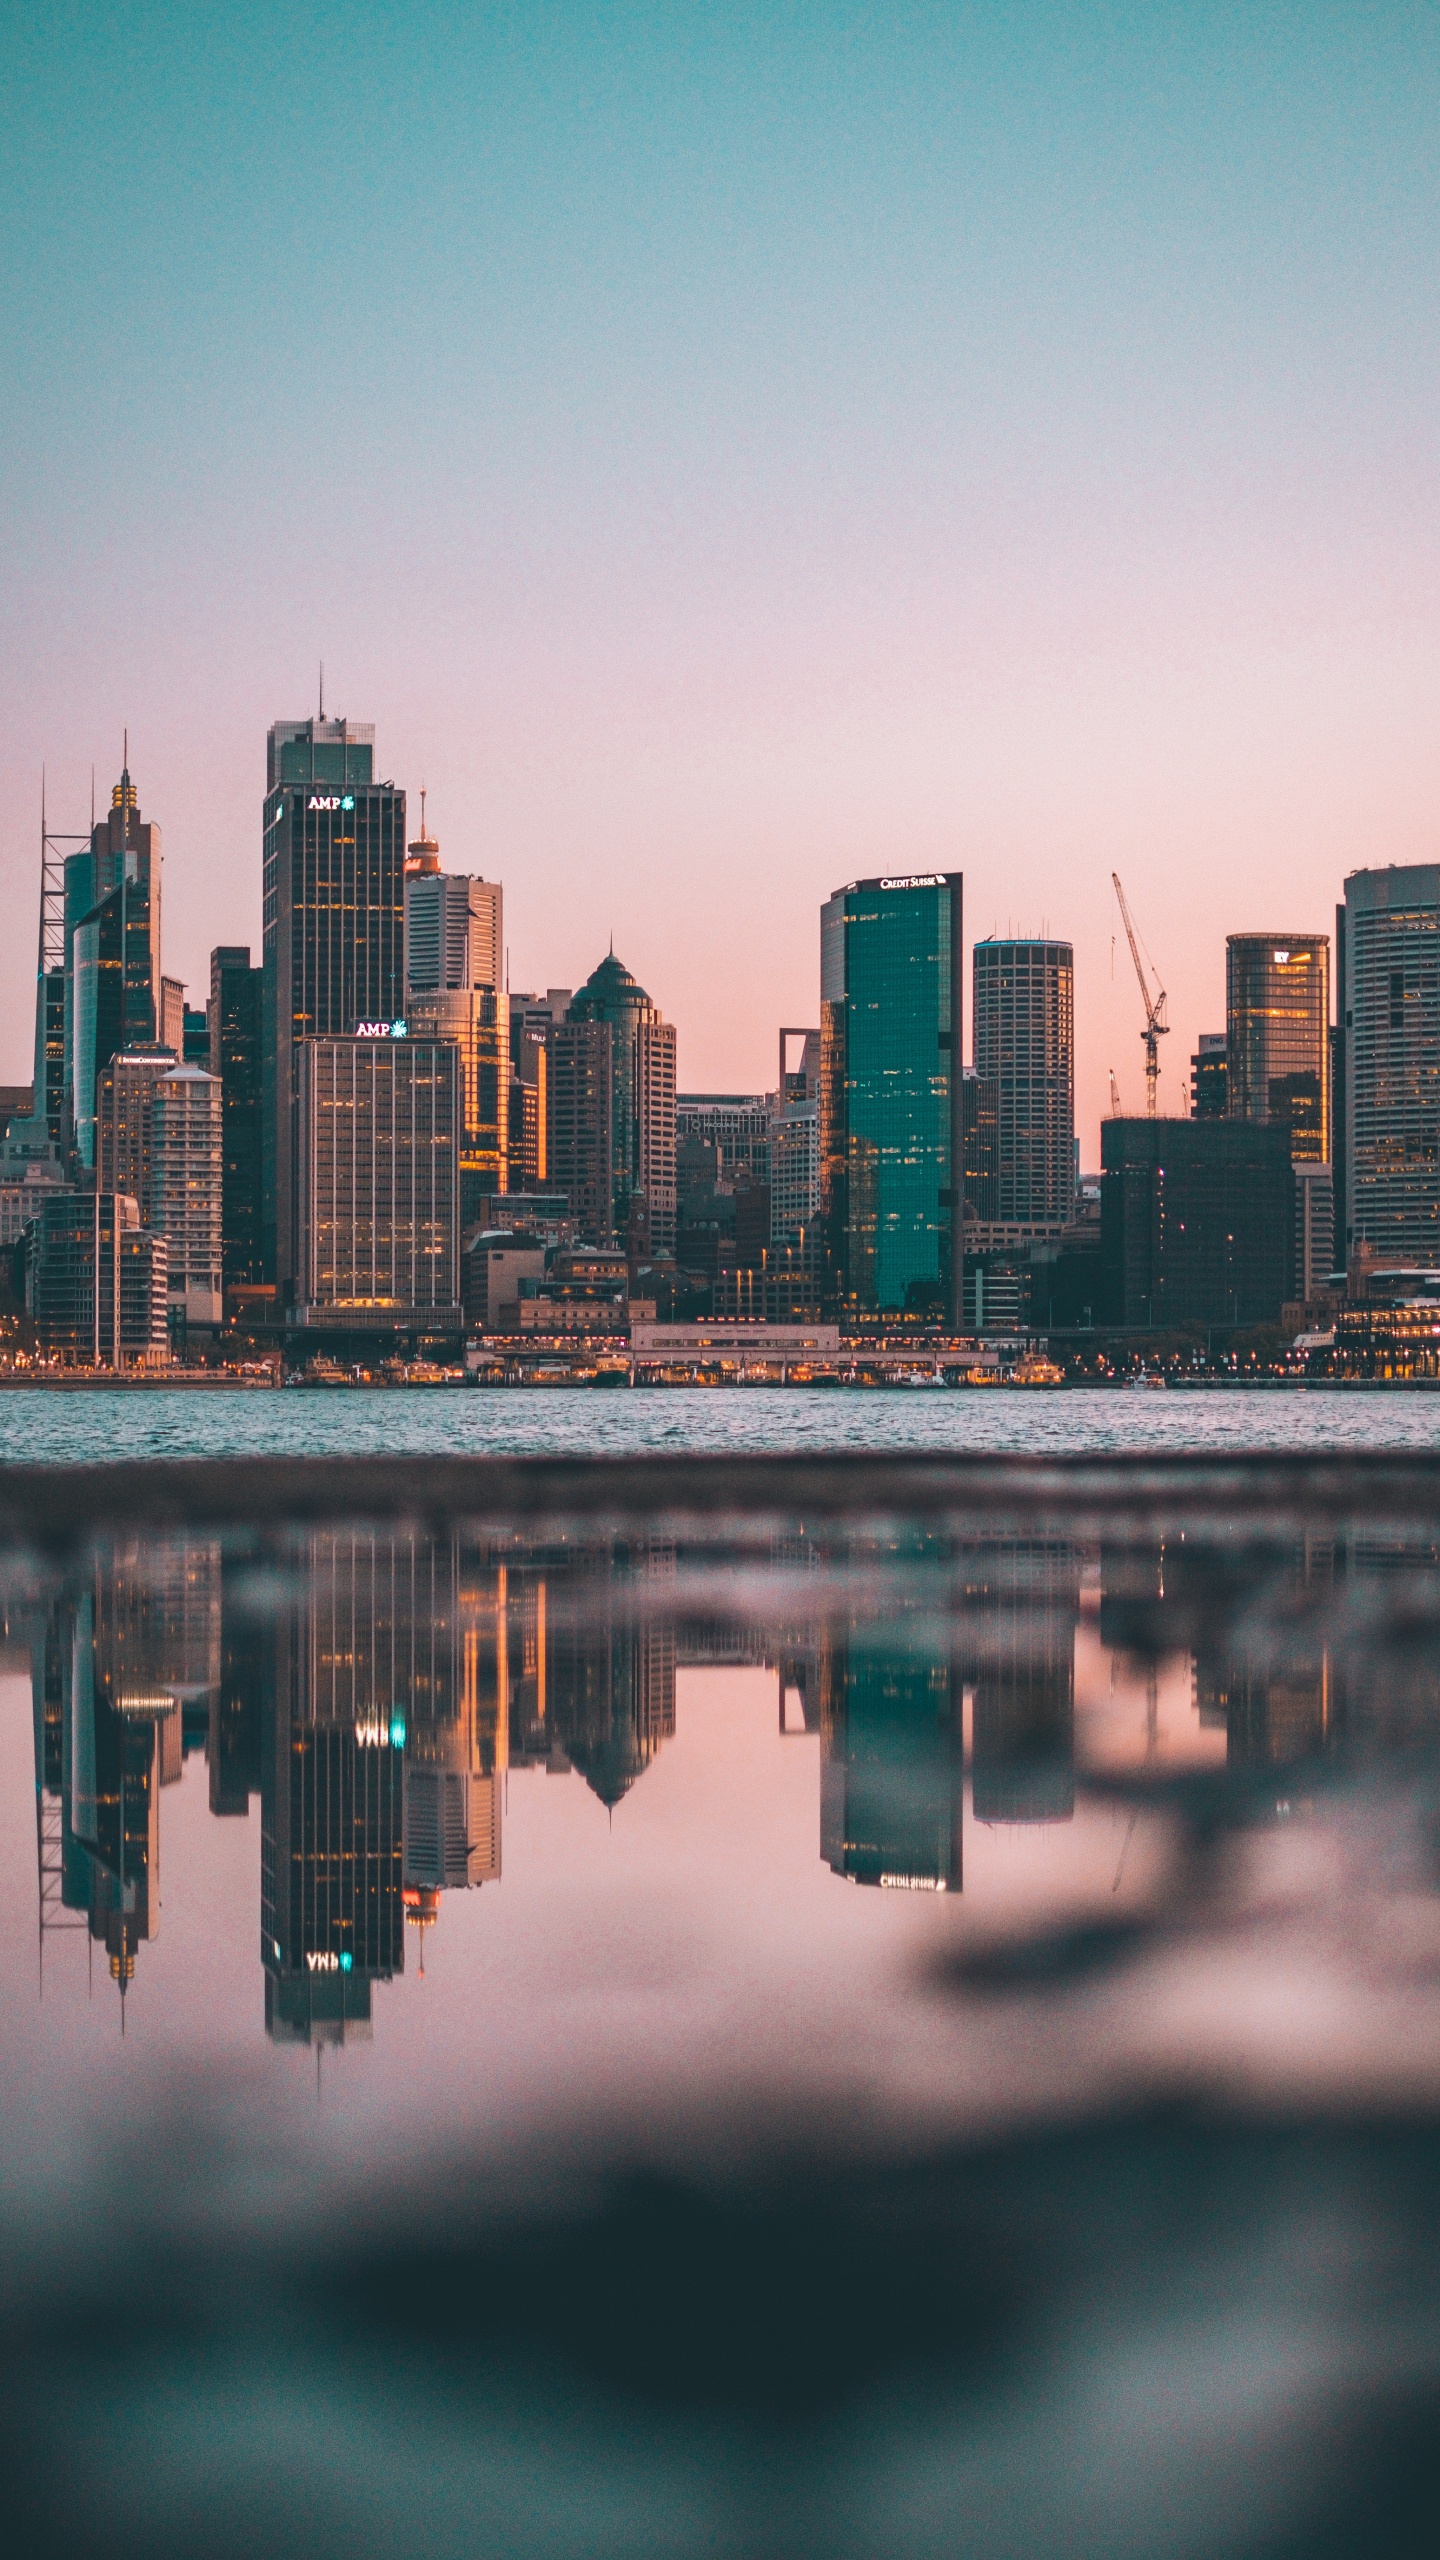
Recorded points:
373,1688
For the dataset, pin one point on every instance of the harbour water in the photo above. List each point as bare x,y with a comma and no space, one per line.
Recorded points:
777,2034
50,1427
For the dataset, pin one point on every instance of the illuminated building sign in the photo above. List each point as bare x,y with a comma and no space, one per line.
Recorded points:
917,880
331,800
374,1732
395,1030
324,1960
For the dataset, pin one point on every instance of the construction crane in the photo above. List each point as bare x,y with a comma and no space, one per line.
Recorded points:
1115,1111
1155,1023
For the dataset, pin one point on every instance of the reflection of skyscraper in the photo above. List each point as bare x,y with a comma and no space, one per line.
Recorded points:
145,1640
458,1736
1021,1606
610,1670
333,1785
891,1793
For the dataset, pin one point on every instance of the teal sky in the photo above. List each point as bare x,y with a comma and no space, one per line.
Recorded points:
729,450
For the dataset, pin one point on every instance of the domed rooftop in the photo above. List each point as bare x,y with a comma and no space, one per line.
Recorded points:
608,993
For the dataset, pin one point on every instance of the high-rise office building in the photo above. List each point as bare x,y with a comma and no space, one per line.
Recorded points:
1198,1221
1277,1035
1390,1022
642,1105
112,944
454,925
1209,1077
234,1020
184,1203
60,1279
159,1131
172,1016
891,1141
377,1128
580,1124
980,1118
736,1127
1024,1037
475,1020
454,943
334,934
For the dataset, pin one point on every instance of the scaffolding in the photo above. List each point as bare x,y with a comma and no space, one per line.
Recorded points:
49,1102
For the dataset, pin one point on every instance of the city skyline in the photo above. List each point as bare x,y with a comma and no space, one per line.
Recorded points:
975,442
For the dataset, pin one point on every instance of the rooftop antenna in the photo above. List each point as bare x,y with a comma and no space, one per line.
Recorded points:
322,688
92,799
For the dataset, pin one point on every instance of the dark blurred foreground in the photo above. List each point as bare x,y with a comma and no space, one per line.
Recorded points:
1158,2333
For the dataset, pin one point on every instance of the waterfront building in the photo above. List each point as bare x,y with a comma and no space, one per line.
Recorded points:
1390,1020
1209,1077
60,1279
492,1265
234,1030
377,1192
112,946
642,1097
1024,1038
1198,1221
891,1142
334,932
1277,1036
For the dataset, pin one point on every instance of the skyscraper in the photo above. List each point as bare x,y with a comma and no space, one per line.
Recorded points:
891,1141
112,943
1025,1039
159,1128
454,924
453,947
579,1088
1209,1077
334,933
642,1105
376,1202
1277,1033
1391,1027
234,1056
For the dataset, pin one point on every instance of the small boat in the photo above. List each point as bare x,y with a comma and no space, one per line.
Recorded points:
1035,1372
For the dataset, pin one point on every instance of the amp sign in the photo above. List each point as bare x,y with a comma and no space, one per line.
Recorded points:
330,800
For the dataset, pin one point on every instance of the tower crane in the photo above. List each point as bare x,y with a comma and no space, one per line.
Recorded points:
1115,1111
1155,1023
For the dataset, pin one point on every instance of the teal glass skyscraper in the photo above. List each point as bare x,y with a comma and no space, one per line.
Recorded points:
891,995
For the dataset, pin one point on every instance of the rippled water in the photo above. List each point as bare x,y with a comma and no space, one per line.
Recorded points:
50,1426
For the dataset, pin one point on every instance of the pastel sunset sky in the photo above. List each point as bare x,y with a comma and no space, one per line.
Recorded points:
727,450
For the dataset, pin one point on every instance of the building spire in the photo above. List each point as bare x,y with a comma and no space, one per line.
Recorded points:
322,688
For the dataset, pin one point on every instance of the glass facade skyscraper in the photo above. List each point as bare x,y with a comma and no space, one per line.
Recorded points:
891,1144
642,1096
1390,976
1277,1035
334,934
